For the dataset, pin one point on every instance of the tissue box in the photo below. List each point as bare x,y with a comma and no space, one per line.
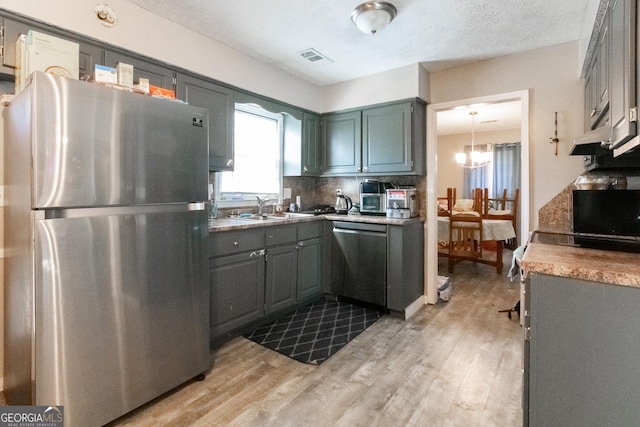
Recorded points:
125,74
104,74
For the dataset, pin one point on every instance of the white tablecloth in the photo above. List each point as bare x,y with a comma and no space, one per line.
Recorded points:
492,229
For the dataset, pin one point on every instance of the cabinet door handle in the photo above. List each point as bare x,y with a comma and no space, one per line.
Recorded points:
235,243
365,169
594,112
230,163
305,170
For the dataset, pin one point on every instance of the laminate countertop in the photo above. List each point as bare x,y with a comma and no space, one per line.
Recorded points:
617,268
227,224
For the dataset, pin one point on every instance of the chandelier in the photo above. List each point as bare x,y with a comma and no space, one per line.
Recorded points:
474,156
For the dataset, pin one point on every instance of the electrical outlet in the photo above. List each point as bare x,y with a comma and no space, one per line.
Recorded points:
286,193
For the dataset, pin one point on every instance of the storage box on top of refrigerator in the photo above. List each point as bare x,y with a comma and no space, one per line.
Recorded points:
402,203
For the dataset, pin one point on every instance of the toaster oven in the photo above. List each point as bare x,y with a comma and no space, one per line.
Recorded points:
373,197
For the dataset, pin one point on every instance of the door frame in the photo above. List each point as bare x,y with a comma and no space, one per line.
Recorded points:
431,223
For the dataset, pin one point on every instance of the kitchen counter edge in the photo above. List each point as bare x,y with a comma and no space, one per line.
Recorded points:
227,224
612,267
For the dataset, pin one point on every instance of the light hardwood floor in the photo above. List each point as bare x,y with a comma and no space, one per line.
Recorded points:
456,363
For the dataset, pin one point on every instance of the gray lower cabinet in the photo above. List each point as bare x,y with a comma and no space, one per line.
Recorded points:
309,270
581,355
219,101
261,271
405,260
280,285
237,291
236,269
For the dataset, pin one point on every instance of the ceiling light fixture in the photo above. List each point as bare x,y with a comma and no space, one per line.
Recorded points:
478,156
373,16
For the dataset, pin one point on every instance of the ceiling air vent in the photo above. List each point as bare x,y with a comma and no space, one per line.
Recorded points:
313,55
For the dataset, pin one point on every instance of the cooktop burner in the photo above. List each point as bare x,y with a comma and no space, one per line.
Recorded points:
321,210
591,241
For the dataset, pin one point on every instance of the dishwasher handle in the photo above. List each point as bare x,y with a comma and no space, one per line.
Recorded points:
358,232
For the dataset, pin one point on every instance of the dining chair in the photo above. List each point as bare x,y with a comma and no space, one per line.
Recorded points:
465,238
503,207
450,202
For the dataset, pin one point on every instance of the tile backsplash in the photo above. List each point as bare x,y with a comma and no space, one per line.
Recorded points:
322,191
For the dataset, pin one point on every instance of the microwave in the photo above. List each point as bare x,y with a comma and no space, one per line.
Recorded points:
373,197
601,213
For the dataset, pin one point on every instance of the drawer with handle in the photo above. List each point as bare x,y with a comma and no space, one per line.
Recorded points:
221,244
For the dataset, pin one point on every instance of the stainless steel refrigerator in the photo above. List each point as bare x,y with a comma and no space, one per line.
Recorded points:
106,290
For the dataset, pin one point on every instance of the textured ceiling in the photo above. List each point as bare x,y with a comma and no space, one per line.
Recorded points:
489,117
440,34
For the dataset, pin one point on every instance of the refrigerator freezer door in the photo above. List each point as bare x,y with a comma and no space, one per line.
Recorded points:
96,146
122,305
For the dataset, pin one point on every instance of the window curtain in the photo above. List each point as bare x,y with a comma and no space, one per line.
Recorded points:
475,178
503,172
506,168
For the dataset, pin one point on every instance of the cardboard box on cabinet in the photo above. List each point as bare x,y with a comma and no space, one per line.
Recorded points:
41,52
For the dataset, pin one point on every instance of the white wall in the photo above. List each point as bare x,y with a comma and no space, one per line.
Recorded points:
552,76
145,33
142,32
401,83
452,175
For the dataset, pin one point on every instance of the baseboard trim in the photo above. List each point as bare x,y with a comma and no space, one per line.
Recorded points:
414,307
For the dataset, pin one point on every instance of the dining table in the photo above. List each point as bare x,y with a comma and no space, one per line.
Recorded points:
497,230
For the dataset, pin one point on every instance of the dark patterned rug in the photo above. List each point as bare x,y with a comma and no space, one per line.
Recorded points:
313,333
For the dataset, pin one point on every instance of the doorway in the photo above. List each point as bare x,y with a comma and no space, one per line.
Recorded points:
431,225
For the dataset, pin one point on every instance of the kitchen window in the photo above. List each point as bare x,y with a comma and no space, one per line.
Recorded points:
258,148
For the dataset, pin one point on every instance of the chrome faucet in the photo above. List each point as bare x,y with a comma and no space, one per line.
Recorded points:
262,202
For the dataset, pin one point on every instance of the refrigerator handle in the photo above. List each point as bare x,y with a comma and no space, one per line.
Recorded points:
118,210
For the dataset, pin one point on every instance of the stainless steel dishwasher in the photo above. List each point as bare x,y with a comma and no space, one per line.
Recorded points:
359,261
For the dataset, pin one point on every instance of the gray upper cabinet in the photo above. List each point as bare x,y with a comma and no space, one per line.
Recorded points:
302,145
158,75
220,102
90,55
622,70
387,139
341,143
610,72
311,145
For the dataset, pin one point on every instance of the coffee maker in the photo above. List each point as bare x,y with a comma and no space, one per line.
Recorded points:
402,202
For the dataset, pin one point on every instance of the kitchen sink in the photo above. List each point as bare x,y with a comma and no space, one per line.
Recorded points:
273,217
